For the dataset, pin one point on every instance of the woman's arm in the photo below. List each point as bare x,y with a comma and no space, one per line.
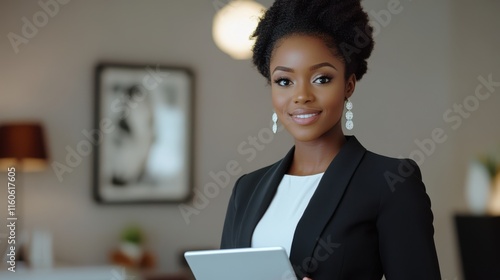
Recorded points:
405,227
227,240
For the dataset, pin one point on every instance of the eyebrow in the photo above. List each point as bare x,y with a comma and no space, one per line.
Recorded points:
314,67
317,66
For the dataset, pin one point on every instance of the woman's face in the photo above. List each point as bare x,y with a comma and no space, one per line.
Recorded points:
308,87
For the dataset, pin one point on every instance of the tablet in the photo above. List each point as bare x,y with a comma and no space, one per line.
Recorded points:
269,263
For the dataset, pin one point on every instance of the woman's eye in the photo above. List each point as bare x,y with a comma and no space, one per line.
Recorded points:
283,82
323,80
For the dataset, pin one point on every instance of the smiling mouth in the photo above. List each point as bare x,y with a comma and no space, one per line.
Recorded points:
305,118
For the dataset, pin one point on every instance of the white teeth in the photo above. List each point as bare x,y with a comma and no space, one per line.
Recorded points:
305,116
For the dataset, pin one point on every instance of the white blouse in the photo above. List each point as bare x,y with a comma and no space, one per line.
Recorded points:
277,226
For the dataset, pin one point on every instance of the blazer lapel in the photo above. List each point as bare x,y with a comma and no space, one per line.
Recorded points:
325,200
261,198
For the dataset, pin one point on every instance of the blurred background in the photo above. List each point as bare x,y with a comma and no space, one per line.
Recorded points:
428,76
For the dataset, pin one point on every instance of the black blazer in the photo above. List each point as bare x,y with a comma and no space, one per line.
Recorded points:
369,216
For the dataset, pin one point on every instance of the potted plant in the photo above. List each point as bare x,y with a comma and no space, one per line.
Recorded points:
130,252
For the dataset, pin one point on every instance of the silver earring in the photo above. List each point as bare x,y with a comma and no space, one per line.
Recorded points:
348,115
275,120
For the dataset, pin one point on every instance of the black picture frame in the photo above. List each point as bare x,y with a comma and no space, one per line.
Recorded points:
143,133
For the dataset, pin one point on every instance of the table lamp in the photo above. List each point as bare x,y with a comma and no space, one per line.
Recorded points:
22,146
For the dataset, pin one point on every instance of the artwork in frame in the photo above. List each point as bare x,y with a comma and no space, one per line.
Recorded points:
143,124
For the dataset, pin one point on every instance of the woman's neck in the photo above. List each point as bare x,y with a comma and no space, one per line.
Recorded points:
315,156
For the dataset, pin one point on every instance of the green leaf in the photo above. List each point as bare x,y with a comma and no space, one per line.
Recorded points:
132,234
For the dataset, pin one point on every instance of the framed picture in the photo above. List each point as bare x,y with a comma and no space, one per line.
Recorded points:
143,126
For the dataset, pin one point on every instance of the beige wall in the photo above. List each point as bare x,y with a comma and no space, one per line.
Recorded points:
427,57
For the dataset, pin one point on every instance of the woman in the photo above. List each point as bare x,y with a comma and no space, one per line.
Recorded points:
340,211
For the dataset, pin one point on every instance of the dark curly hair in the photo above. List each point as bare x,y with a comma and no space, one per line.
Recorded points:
342,24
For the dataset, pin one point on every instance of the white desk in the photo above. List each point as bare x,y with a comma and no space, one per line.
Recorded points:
67,273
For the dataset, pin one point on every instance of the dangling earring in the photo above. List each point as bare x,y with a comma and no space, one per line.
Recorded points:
348,115
275,120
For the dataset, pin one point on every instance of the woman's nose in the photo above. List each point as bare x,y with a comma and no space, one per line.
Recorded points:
303,94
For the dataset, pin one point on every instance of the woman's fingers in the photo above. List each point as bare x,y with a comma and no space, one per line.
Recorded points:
306,278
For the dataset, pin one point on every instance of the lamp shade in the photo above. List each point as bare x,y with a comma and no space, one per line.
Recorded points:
234,24
23,145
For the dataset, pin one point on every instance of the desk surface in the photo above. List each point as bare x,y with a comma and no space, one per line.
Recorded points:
64,273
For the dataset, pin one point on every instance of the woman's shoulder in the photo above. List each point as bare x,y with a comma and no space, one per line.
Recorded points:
373,164
395,177
381,163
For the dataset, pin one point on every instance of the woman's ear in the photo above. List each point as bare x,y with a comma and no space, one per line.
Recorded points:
350,85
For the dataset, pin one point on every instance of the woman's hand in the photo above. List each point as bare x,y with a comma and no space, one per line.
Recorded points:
306,278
